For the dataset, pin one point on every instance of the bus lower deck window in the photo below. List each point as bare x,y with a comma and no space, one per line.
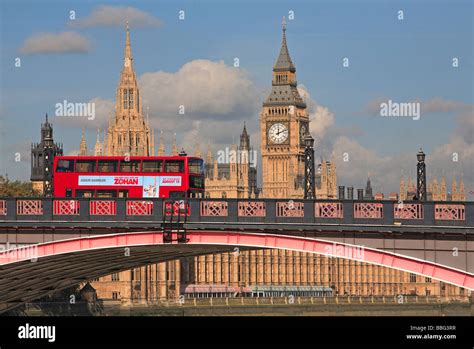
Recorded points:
123,194
196,182
106,194
84,193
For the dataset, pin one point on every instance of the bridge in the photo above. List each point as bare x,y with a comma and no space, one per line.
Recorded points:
80,239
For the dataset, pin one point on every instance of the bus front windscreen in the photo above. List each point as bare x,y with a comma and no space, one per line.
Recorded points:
196,166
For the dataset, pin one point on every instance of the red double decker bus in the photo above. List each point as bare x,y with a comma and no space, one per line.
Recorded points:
135,176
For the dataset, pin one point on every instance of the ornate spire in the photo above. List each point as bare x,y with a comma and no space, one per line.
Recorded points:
462,193
130,131
128,49
284,86
104,145
284,62
209,154
161,149
197,151
443,193
244,139
435,189
403,191
152,145
368,190
98,149
46,131
216,170
174,149
83,146
454,188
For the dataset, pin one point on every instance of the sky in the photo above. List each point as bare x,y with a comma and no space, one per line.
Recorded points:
190,62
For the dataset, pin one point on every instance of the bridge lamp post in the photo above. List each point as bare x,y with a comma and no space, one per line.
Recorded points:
421,176
48,171
309,167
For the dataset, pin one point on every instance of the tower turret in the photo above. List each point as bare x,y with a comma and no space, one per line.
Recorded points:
83,146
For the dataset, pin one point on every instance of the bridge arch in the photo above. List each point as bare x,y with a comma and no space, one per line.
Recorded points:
63,263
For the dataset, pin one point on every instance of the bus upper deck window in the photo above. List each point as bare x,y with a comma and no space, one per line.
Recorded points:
174,166
85,165
65,165
130,166
152,166
107,166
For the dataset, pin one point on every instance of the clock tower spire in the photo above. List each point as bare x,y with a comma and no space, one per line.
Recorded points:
129,133
284,123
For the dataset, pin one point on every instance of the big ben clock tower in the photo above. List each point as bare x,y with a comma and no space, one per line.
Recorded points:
284,123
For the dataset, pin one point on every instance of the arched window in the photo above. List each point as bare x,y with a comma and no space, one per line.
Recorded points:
130,99
125,99
224,195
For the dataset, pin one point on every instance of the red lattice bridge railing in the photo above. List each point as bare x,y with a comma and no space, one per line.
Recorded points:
235,210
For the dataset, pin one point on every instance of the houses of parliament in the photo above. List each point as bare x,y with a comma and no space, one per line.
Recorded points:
283,121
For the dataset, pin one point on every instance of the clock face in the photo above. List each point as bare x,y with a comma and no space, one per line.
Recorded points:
278,133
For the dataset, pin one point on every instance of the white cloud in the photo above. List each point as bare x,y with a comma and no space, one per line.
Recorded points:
455,158
206,89
321,117
104,108
440,160
217,99
64,42
465,127
386,171
116,16
441,105
433,105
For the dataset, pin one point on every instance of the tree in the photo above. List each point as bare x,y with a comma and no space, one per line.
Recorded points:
16,188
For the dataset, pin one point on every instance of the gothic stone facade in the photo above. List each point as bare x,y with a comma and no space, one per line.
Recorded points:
38,155
234,177
436,190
